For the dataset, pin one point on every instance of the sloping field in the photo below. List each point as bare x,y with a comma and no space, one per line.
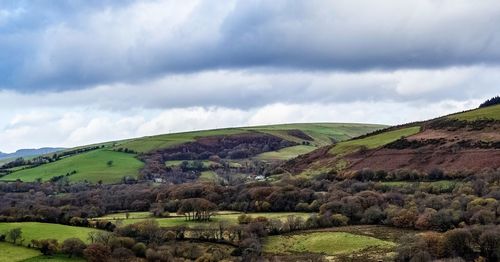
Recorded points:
91,166
286,153
374,141
35,230
322,133
490,112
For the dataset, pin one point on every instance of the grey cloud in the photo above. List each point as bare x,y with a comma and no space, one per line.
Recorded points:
251,89
148,39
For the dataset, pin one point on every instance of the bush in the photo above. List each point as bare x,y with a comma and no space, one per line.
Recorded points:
73,247
339,220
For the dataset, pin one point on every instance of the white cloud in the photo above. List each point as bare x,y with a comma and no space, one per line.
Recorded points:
85,127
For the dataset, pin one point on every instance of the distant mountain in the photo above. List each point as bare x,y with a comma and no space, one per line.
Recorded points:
30,152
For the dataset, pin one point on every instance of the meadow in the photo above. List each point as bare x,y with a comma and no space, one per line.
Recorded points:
90,166
328,243
36,230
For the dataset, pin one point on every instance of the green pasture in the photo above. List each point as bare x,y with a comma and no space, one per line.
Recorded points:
35,230
90,166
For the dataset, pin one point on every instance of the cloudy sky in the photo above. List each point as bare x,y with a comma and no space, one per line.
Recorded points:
82,71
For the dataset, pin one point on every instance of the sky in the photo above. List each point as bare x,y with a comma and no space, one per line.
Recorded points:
83,71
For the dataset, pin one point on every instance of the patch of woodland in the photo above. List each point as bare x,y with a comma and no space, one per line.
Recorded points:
299,134
456,124
490,102
404,143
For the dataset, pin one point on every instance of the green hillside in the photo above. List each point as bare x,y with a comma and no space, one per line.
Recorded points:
91,166
490,112
322,133
374,141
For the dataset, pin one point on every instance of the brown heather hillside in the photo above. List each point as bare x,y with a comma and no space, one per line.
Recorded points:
460,142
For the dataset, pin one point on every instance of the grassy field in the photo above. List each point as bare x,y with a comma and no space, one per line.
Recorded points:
12,253
286,153
322,133
91,166
490,112
373,141
229,217
35,230
329,243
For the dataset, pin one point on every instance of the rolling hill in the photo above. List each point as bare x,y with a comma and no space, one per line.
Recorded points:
111,161
461,142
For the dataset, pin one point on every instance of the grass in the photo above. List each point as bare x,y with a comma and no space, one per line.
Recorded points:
286,153
490,112
329,243
35,230
91,166
322,133
229,217
13,253
373,141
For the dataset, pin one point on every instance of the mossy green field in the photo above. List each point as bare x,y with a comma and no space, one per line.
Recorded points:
90,166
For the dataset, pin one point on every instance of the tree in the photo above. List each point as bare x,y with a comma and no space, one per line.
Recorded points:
458,242
196,209
109,163
97,253
14,234
73,247
490,245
